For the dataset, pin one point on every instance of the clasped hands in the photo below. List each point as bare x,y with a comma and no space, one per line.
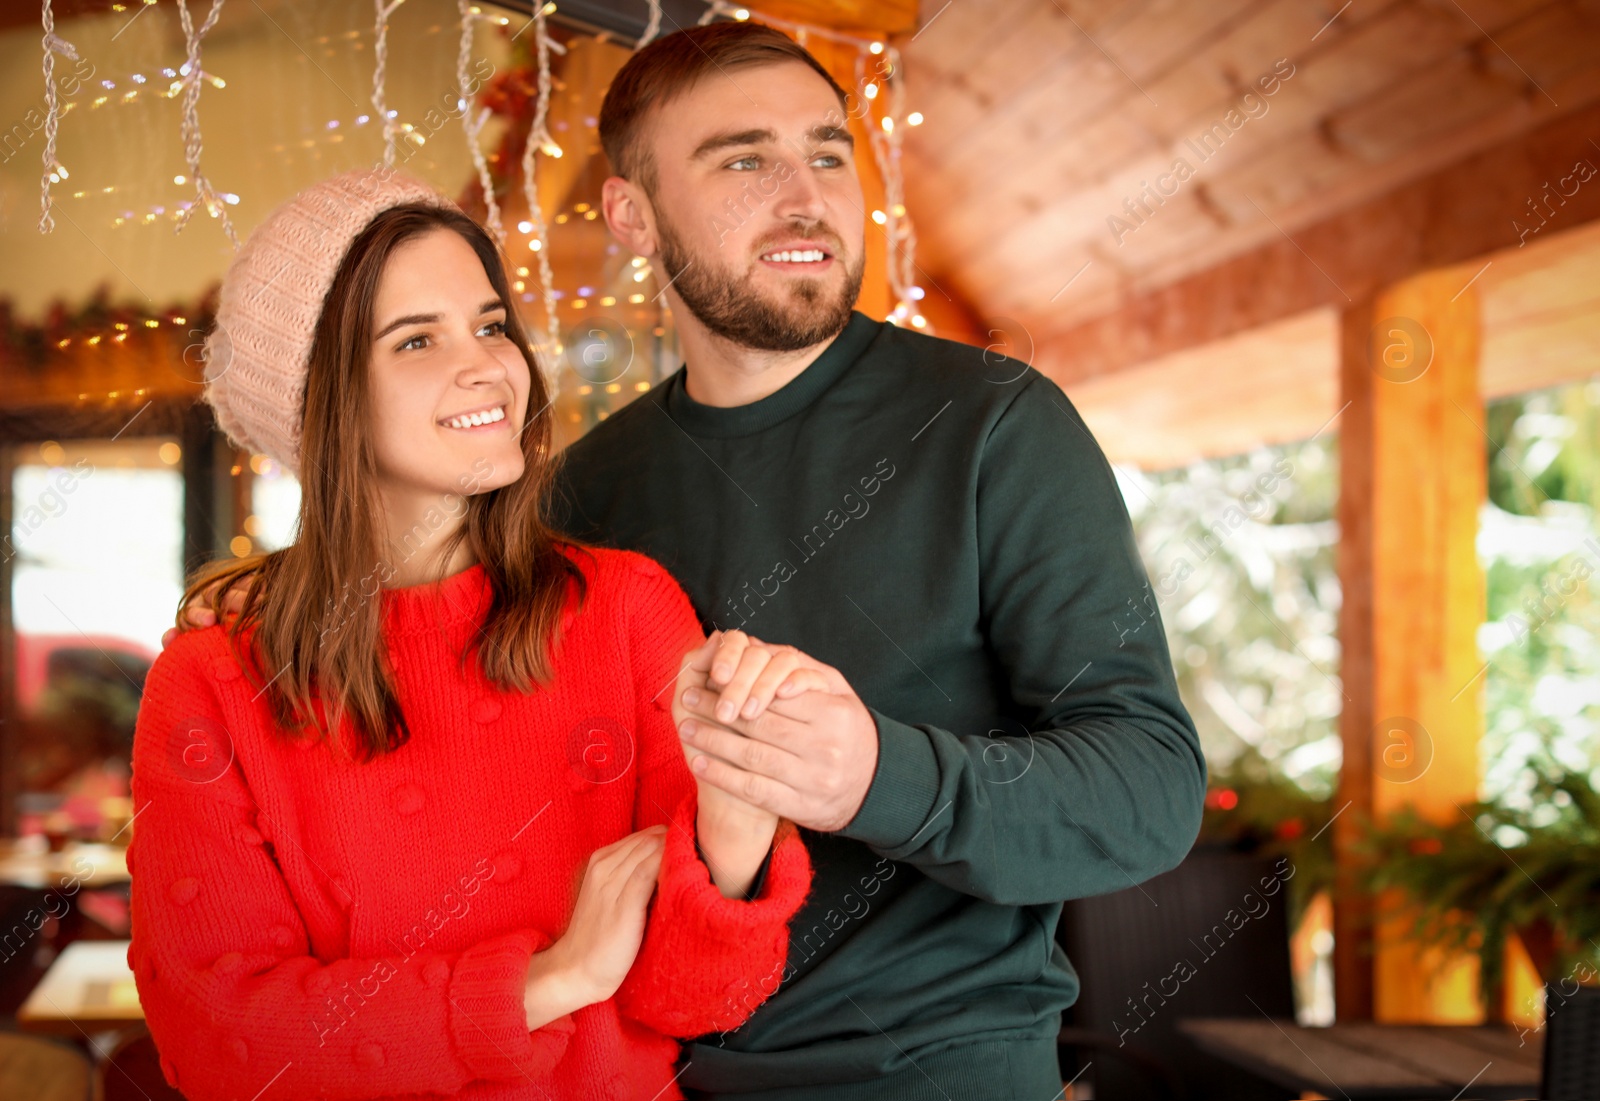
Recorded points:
767,727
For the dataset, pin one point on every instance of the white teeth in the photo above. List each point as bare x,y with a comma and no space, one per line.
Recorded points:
472,420
798,256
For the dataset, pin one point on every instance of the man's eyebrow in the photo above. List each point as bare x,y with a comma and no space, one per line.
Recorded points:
820,134
732,137
431,318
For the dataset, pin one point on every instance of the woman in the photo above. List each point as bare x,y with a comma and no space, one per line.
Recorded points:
399,824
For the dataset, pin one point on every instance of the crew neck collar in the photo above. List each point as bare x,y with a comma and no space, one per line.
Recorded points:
432,604
801,391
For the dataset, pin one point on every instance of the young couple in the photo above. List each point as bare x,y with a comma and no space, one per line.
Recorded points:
514,827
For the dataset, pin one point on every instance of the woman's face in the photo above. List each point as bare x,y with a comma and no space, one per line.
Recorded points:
449,388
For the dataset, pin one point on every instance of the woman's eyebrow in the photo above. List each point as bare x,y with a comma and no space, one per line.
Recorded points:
430,318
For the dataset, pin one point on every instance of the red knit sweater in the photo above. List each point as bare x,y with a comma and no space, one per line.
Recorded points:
308,926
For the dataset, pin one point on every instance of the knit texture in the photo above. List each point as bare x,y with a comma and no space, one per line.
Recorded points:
305,925
258,352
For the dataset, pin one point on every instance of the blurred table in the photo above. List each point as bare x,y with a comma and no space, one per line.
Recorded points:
1361,1060
27,863
89,988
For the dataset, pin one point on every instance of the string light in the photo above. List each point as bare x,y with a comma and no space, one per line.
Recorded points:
473,123
380,52
190,71
540,141
651,27
53,170
880,95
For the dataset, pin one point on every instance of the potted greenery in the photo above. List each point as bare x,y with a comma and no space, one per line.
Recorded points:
1531,869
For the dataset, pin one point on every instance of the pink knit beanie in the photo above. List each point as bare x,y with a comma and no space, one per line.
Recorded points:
258,352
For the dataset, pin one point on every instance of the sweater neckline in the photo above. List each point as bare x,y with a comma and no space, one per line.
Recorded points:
800,392
451,600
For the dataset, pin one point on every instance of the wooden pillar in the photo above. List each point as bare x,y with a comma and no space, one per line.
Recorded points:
211,511
10,712
1413,476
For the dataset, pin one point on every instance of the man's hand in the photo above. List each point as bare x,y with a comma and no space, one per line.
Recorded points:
197,613
797,741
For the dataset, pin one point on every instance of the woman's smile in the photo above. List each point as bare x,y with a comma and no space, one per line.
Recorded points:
487,418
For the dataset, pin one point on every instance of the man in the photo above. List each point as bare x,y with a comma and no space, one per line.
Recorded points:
937,533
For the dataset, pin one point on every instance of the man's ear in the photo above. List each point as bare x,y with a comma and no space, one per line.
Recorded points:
629,214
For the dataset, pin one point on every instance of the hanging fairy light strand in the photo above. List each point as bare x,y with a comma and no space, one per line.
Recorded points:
472,122
540,141
651,28
885,140
54,171
190,72
380,103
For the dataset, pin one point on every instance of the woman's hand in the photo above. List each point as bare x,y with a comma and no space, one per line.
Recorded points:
593,956
198,614
742,675
747,675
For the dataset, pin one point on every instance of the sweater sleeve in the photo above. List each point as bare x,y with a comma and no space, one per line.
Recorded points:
234,997
707,961
1103,786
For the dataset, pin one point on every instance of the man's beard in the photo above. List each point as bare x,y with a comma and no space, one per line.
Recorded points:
732,308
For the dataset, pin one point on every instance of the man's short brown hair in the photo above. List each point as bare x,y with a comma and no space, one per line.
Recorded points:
673,64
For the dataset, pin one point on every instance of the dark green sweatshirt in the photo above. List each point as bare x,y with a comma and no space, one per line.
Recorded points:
939,525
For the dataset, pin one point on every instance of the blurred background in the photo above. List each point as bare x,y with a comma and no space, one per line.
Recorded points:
1323,278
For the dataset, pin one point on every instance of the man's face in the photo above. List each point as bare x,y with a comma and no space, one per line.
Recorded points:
758,206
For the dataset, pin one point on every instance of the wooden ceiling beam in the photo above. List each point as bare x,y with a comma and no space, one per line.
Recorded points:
1323,145
884,17
1459,212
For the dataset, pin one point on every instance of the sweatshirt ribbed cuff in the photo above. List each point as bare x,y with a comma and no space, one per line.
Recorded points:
903,789
489,1019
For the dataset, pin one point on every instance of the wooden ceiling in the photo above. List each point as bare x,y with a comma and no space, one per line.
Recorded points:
1046,118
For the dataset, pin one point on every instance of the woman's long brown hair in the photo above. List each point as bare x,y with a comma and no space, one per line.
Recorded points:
312,609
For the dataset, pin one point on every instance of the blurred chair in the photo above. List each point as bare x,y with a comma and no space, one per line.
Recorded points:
22,964
132,1072
1202,940
1571,1045
32,1069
